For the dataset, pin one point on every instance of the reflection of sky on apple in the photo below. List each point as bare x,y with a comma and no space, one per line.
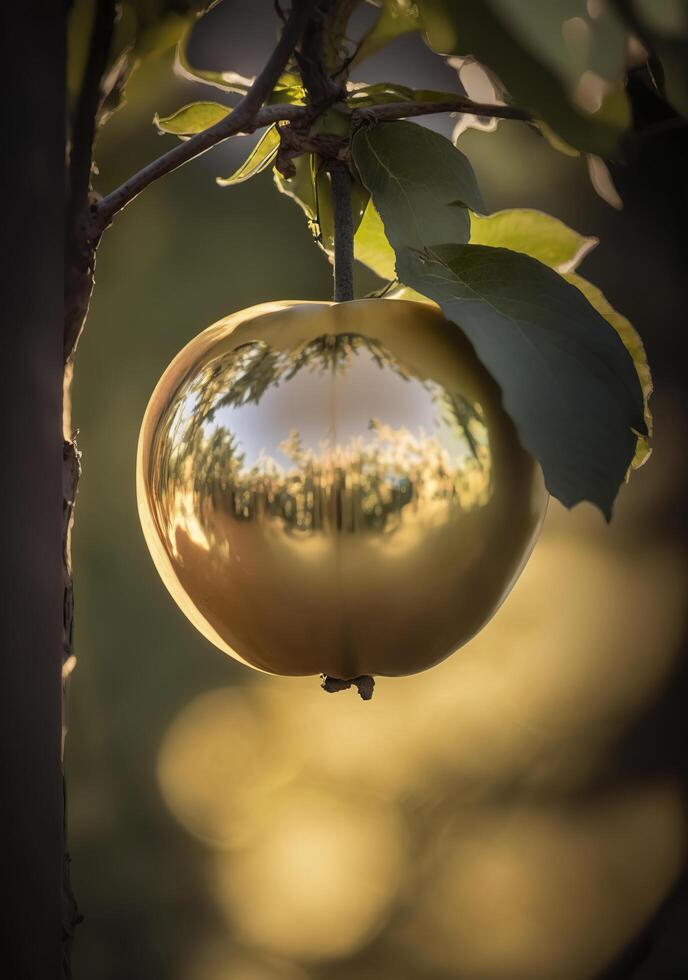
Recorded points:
331,414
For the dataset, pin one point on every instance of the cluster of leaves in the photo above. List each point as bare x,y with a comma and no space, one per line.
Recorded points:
572,369
564,60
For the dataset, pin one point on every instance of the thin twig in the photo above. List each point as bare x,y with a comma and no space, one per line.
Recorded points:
245,118
321,88
343,233
403,110
109,205
348,61
278,10
335,59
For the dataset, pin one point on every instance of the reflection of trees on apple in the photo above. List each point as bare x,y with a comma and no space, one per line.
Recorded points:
469,418
363,484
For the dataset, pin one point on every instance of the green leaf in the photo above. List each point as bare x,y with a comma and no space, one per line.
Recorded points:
260,157
381,93
534,233
501,36
434,95
289,94
192,118
420,182
544,238
325,207
228,81
567,379
371,246
289,87
398,17
332,121
399,291
634,345
310,187
301,188
361,94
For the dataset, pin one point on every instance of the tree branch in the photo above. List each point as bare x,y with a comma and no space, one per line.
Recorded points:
80,244
245,118
404,110
249,116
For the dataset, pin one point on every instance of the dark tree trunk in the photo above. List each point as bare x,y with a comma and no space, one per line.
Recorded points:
32,586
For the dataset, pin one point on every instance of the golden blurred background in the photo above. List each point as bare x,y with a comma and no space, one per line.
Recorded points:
516,813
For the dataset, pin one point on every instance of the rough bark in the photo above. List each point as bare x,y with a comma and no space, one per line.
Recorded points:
32,620
80,243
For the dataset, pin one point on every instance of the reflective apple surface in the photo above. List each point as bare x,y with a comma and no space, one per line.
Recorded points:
335,488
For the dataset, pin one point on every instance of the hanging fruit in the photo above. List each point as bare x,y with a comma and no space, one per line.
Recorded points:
335,488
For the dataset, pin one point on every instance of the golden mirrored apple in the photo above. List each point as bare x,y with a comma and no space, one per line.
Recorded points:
335,488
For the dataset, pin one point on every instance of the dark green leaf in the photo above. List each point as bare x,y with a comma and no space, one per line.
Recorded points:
569,36
567,379
675,61
663,24
591,114
420,182
553,243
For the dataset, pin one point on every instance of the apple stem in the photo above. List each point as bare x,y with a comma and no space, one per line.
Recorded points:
343,233
365,684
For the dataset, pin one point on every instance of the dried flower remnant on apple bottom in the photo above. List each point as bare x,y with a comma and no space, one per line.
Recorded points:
335,489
